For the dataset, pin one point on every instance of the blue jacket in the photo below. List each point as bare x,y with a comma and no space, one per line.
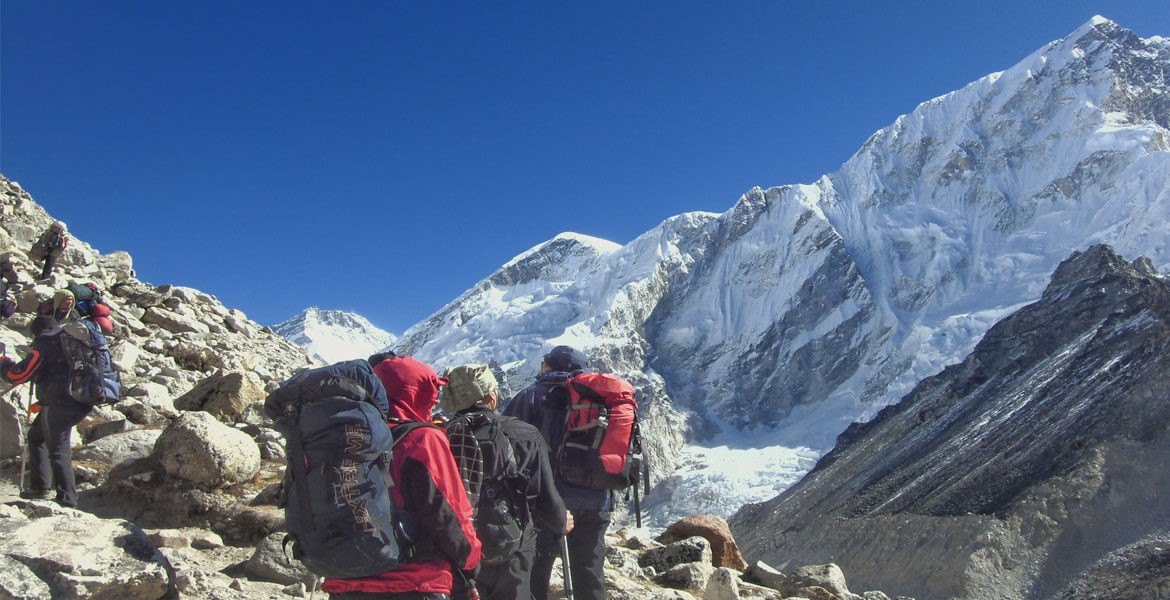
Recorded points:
544,404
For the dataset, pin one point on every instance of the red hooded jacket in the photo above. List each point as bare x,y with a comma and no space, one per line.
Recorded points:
427,484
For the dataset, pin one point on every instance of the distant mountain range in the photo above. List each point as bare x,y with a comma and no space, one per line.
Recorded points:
333,335
758,335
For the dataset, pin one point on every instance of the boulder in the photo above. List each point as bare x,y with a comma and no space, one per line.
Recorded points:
125,355
118,448
172,322
270,563
12,417
694,549
19,581
724,551
226,395
198,448
688,576
723,584
118,265
78,555
824,581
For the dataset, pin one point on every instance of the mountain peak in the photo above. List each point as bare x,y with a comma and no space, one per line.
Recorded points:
334,335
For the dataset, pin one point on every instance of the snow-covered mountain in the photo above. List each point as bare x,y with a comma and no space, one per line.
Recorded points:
757,335
334,335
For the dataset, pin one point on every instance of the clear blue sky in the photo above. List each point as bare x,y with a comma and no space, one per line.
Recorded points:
382,157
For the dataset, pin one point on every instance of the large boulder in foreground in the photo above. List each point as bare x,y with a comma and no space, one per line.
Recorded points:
49,551
198,448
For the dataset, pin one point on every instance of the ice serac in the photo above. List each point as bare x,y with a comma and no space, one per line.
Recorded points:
331,336
1007,474
757,335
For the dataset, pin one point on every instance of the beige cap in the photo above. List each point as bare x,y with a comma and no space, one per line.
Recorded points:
467,385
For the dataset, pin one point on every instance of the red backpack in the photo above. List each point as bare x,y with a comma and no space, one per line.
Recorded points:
601,433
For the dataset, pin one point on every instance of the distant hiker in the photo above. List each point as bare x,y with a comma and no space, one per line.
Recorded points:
544,404
8,277
506,469
428,487
50,246
50,455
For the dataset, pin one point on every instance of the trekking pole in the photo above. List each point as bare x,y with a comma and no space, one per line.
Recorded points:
27,431
637,496
565,567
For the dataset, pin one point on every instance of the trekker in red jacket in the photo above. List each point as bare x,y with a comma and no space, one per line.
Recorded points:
428,489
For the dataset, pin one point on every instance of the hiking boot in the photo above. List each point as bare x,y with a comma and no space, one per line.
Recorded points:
38,494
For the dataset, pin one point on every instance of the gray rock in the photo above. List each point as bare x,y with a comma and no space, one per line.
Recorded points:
270,563
118,448
723,584
12,417
172,322
198,448
18,581
693,549
107,428
226,395
81,556
687,576
126,356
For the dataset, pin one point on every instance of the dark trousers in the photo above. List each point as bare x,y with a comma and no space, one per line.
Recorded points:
49,454
50,262
586,556
508,580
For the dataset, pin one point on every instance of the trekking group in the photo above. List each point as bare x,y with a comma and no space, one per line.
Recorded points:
385,498
389,499
68,365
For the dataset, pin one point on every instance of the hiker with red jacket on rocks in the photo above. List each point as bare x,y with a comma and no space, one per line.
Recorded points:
428,488
545,404
49,447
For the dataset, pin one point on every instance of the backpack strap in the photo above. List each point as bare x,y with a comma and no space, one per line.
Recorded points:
300,471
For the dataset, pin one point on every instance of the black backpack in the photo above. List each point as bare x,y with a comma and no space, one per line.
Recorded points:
340,517
496,487
92,378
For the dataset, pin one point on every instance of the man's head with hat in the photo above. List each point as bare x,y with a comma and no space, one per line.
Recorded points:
469,385
564,358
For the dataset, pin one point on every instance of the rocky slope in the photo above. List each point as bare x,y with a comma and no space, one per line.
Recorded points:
1011,473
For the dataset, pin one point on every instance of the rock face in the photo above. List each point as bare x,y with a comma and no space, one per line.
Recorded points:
227,396
1009,473
71,554
199,449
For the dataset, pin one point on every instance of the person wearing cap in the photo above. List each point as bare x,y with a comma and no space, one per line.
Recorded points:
49,444
544,405
50,246
428,488
525,487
